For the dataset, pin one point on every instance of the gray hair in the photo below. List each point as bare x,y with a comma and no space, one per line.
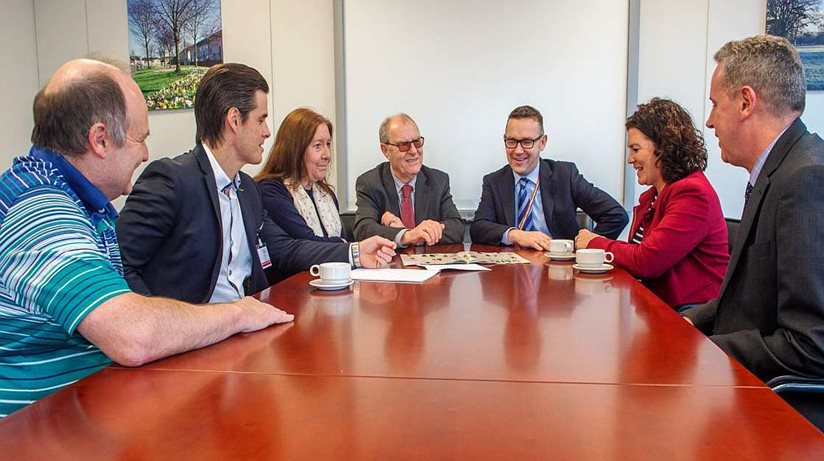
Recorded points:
383,131
63,116
768,64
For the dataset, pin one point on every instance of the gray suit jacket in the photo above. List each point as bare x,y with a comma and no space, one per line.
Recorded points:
769,313
433,200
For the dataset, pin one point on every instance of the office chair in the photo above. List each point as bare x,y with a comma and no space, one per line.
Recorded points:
347,223
732,231
806,395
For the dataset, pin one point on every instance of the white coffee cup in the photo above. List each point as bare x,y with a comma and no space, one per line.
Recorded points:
332,272
560,247
593,257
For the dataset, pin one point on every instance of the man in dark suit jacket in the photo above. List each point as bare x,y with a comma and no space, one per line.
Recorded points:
430,215
194,228
769,313
549,193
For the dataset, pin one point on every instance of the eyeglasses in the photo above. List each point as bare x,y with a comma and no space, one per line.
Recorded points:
525,143
404,146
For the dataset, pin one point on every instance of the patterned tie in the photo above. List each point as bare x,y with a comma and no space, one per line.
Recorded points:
525,188
407,212
747,194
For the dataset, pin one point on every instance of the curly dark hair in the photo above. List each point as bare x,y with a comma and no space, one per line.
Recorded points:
679,146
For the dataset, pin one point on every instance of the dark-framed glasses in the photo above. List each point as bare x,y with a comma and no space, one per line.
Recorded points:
512,143
404,146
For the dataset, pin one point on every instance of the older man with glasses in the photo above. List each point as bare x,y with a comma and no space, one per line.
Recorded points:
402,199
531,200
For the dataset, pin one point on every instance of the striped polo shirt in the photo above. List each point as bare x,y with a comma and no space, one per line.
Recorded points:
59,260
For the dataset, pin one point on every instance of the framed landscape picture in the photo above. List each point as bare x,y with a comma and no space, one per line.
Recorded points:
171,45
802,23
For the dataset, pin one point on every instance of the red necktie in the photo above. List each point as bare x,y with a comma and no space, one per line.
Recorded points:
407,212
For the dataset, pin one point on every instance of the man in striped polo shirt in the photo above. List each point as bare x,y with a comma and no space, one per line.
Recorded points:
65,308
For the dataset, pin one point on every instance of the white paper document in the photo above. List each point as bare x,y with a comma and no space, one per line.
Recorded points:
455,267
393,275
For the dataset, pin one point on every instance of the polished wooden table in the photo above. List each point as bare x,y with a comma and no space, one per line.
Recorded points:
522,362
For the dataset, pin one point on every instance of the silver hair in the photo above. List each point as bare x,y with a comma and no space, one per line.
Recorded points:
383,131
768,64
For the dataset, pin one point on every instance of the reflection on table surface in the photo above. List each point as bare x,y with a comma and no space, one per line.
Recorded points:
524,322
148,414
529,361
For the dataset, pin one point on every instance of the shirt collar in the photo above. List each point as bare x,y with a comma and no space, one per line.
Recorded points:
762,159
532,176
93,199
221,178
399,183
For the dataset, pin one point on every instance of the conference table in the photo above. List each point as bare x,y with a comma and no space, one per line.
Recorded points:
525,361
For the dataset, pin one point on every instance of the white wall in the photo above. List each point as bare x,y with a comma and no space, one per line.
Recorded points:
292,45
18,80
459,67
728,20
303,57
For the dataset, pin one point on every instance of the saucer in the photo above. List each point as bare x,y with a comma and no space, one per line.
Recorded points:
593,270
321,285
561,256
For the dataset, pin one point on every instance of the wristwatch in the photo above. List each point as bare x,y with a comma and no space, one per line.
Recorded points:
354,248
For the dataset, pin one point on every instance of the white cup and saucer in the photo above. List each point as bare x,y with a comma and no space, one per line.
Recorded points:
333,276
593,261
561,250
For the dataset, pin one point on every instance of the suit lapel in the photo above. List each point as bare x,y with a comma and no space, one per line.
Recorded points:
391,191
209,183
545,173
247,210
751,210
508,196
421,198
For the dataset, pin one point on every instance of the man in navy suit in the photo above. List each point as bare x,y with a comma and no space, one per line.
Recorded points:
533,200
194,227
769,313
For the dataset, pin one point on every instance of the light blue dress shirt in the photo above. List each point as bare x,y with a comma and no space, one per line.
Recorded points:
236,261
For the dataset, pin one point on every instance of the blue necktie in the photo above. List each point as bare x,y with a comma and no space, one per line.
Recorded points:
747,193
525,188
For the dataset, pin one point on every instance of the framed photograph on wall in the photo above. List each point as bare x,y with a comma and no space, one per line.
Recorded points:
802,23
171,45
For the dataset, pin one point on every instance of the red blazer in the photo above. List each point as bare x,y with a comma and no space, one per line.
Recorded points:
685,252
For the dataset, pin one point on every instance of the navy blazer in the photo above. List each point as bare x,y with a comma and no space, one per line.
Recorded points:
171,237
563,191
769,313
279,204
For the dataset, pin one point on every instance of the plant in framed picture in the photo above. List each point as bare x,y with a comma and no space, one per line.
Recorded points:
171,45
802,23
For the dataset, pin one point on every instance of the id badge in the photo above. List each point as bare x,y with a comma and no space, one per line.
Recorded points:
263,254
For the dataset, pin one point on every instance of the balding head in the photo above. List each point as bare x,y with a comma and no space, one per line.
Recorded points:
81,93
391,122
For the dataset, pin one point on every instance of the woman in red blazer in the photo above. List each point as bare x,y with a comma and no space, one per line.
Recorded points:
677,244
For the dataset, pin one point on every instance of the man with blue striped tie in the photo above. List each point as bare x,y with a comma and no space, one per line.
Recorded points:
532,200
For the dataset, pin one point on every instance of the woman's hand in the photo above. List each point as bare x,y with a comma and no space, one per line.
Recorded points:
583,238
